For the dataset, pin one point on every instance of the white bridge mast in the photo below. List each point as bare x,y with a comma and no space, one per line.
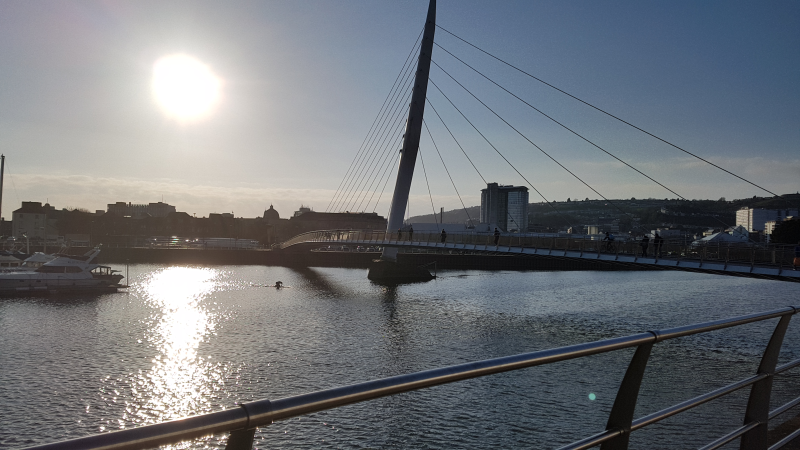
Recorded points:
413,131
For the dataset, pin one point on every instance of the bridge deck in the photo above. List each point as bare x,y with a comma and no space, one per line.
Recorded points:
748,261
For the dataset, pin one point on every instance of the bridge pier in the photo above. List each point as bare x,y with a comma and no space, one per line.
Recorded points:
393,272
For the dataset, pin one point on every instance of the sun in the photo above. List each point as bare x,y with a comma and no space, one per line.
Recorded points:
185,88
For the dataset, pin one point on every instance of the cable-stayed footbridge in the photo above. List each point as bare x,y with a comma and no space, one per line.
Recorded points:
767,261
464,103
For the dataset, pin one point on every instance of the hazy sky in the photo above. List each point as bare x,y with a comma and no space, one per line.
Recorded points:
302,82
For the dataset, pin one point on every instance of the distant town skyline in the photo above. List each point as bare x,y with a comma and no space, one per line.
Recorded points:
300,83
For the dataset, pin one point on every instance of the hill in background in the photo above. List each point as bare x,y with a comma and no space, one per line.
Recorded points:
649,213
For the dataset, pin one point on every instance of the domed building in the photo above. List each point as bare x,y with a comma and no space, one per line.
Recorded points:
271,215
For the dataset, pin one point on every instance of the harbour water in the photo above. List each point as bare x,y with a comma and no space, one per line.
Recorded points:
188,340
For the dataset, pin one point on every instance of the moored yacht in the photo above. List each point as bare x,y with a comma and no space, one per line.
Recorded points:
61,274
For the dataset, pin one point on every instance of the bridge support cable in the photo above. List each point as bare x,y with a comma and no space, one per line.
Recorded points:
530,141
562,125
374,174
609,114
392,163
570,130
378,140
448,172
382,146
380,114
456,141
465,154
385,147
425,172
400,90
396,165
386,152
402,70
611,202
391,115
502,156
355,175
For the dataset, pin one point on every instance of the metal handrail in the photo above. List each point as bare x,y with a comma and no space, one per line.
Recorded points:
243,421
671,254
726,251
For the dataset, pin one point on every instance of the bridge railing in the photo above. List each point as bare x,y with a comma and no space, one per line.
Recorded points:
727,252
243,421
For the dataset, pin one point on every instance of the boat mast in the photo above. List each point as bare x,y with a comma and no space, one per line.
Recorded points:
408,155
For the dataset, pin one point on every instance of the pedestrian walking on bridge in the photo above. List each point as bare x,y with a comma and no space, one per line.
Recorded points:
444,235
658,241
644,244
496,236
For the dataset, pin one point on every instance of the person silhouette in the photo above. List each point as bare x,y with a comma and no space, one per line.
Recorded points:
644,244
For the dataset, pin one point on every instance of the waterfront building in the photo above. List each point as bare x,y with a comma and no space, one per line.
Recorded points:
271,214
738,235
33,220
301,211
312,221
769,227
593,229
505,207
140,211
755,219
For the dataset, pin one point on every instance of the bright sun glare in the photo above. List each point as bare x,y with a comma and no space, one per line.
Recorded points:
184,87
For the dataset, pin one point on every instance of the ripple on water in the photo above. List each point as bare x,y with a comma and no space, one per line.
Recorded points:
188,340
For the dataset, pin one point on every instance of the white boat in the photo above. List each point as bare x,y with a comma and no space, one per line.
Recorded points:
61,274
9,261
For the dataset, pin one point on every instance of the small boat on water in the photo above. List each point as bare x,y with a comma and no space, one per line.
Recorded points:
61,274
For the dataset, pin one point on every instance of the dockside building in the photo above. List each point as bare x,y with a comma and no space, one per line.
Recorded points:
505,207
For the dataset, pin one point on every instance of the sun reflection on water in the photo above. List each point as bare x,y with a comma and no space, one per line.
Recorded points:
180,382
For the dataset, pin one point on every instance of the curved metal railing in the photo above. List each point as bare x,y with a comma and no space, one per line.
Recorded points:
242,422
778,257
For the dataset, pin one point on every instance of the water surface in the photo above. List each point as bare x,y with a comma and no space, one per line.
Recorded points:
188,340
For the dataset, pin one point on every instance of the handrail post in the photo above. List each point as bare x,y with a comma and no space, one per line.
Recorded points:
758,403
241,440
621,415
